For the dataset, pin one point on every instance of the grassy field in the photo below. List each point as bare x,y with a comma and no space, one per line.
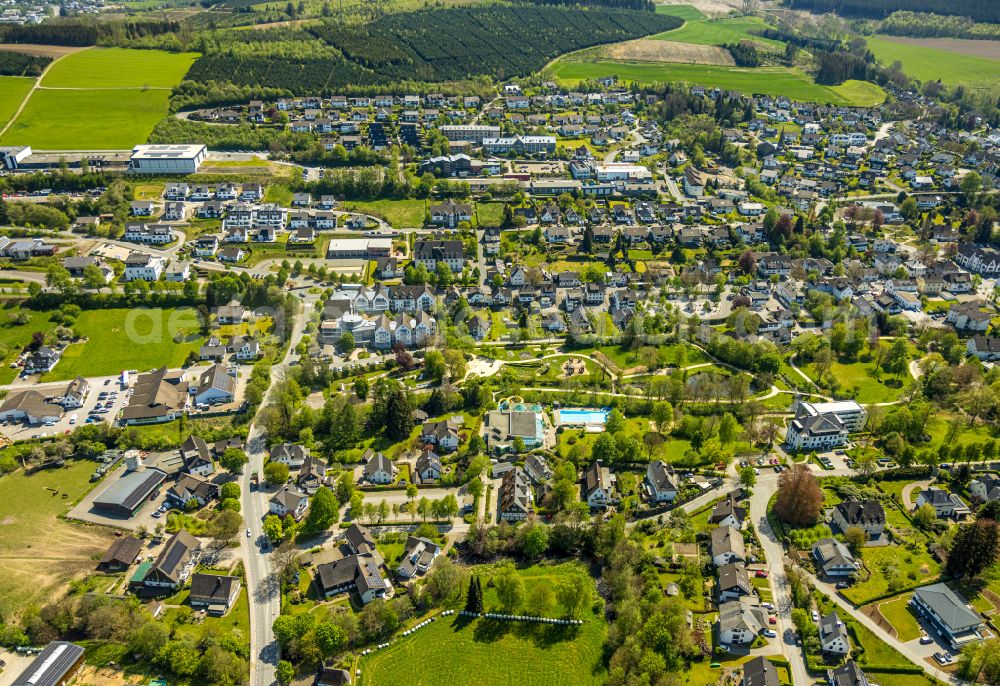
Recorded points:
764,80
931,64
685,12
399,213
119,68
88,120
862,376
15,336
39,552
898,613
99,99
720,32
497,653
118,340
12,92
912,569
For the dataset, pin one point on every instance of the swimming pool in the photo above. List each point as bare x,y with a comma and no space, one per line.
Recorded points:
581,417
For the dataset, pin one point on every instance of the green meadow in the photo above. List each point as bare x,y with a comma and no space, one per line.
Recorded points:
720,32
12,92
119,68
772,81
931,64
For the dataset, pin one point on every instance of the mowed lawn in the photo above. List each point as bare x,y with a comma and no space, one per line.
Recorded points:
931,64
119,68
911,568
772,81
39,552
88,120
399,213
12,92
493,652
862,376
898,613
120,339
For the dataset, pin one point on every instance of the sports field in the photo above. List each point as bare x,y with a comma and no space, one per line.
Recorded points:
97,99
12,92
773,81
930,64
119,68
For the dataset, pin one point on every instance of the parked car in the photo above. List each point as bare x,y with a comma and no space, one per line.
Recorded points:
815,616
770,633
926,640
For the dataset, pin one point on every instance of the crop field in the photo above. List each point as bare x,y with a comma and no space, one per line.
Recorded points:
119,68
927,63
12,92
721,32
39,551
97,99
764,80
648,50
120,339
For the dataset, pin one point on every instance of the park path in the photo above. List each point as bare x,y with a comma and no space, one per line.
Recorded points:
36,86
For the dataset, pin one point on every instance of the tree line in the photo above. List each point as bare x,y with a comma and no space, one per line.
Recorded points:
22,64
978,10
83,32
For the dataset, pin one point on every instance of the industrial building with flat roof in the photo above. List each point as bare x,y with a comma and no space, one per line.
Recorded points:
167,159
125,496
56,665
359,248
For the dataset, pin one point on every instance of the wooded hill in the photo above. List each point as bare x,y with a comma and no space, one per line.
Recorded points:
426,45
977,10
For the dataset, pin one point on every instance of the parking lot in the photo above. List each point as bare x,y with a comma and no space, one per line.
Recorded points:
84,512
113,400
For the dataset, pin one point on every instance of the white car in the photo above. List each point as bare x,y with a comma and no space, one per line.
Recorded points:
815,616
770,633
248,533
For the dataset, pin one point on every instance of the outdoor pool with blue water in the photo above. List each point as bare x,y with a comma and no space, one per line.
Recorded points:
579,416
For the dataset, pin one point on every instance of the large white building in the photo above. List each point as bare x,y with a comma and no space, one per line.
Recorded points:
143,266
821,426
470,132
167,159
852,415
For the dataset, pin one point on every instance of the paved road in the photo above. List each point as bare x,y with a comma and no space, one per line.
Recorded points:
263,587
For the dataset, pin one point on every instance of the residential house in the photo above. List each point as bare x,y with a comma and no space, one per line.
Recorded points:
948,613
418,556
599,486
833,559
379,469
659,482
214,592
833,639
726,546
740,622
734,583
289,501
515,498
728,512
867,515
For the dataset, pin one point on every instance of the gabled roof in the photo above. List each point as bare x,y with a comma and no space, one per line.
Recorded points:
213,588
760,672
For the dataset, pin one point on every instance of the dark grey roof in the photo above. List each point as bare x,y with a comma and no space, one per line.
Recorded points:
131,489
124,550
862,512
848,674
948,607
760,672
212,588
53,664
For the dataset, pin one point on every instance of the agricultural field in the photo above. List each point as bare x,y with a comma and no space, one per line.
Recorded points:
649,50
498,653
721,32
98,99
928,63
763,80
87,119
119,68
39,551
12,92
120,339
685,12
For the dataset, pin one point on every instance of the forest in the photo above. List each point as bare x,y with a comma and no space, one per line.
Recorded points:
83,32
429,45
21,64
921,25
977,10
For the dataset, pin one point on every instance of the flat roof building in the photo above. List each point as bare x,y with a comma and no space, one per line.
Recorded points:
125,496
359,248
167,159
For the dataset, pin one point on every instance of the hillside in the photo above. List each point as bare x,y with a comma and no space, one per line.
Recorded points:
429,45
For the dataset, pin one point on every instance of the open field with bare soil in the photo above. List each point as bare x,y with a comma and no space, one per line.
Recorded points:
649,50
52,51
